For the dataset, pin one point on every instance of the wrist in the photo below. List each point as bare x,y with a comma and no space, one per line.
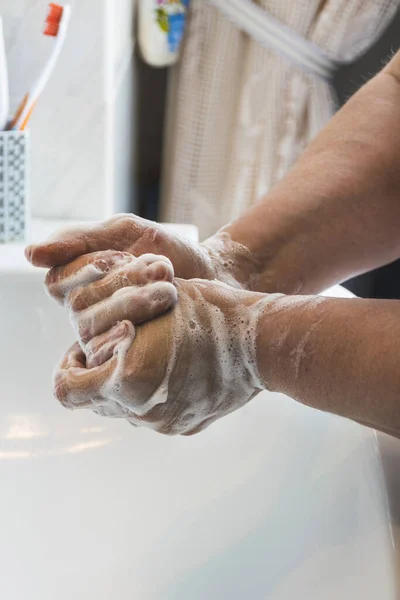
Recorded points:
275,358
255,315
266,271
249,308
284,333
232,262
269,332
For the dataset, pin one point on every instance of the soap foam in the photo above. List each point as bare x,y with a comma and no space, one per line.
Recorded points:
212,366
230,260
134,303
61,286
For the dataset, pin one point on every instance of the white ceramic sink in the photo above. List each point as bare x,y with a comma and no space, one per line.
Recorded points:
276,501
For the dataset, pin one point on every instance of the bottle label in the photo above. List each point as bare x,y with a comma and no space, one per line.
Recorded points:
171,18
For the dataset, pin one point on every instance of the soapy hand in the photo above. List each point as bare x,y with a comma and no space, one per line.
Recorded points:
218,258
175,372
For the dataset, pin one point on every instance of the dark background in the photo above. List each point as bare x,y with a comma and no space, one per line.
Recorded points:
150,106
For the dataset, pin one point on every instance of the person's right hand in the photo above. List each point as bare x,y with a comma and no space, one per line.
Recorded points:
218,258
176,371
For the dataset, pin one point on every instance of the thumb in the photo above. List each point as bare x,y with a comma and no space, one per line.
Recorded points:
65,245
76,385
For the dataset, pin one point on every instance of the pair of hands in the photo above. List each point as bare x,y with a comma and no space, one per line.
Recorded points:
171,353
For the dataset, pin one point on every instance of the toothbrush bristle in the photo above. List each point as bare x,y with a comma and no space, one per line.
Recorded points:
53,20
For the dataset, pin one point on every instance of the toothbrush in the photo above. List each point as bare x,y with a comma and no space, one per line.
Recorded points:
4,91
56,26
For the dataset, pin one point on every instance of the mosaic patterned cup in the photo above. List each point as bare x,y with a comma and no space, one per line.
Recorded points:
14,189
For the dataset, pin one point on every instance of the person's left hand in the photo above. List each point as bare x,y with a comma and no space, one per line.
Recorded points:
175,372
217,258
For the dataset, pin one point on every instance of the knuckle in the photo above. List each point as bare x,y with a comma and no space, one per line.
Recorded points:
61,392
128,224
93,360
91,348
125,219
84,331
76,300
154,237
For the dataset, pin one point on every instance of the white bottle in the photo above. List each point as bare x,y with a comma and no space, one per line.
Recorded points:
161,28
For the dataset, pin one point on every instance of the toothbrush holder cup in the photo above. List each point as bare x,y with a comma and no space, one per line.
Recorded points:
14,185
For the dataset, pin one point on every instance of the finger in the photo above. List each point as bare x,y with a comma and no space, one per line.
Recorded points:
101,348
146,269
86,269
65,245
135,304
76,386
75,357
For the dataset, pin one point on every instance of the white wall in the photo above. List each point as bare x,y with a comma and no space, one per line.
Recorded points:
76,151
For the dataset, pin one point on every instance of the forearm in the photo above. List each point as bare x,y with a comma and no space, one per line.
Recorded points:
336,355
337,212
